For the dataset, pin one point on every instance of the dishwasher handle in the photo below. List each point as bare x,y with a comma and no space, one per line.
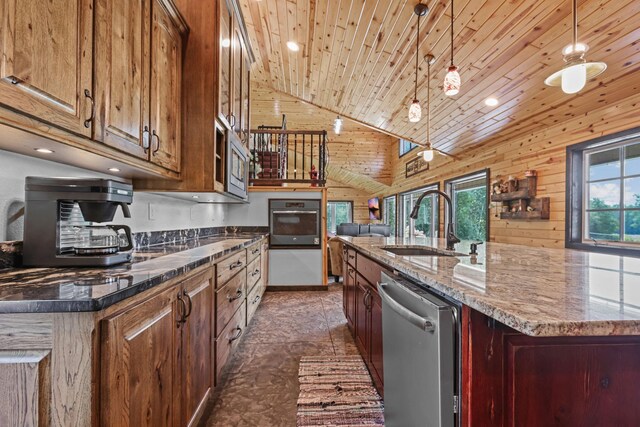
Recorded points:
419,321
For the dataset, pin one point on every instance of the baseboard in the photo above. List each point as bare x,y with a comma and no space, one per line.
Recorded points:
284,288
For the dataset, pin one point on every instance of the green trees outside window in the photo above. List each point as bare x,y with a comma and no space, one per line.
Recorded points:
470,206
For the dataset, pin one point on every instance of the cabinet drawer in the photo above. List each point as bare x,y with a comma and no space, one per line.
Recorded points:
229,339
254,273
253,300
369,269
228,267
228,299
351,256
253,251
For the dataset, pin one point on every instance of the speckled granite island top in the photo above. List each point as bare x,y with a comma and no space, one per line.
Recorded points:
44,290
536,291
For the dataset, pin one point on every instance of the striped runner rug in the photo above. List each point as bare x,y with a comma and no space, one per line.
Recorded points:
337,391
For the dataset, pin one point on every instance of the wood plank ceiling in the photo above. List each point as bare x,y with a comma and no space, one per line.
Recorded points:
357,57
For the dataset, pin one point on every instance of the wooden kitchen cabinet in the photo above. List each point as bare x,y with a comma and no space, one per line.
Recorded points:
140,364
245,126
47,61
362,315
123,31
157,360
197,348
166,81
376,349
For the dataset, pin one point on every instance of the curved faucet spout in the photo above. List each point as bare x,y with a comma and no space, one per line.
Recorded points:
452,239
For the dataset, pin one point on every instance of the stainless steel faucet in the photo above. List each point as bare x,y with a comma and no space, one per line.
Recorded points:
452,239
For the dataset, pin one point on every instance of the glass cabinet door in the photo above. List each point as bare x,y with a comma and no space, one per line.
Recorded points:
236,61
225,62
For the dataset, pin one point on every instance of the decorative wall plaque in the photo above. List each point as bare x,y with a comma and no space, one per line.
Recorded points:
416,166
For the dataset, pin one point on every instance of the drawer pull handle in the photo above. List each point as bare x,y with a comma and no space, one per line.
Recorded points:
237,335
157,137
235,265
255,251
256,299
352,256
255,273
233,298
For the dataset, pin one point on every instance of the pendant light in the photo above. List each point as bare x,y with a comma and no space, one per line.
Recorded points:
337,125
427,155
576,71
415,111
452,79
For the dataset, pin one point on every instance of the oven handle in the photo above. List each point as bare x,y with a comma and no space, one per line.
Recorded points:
422,323
295,212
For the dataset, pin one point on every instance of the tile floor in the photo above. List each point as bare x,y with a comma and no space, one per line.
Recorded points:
260,384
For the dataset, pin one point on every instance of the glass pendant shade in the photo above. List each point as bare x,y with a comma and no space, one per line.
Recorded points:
574,78
415,111
427,155
452,82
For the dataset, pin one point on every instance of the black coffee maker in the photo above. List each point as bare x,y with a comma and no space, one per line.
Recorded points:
61,222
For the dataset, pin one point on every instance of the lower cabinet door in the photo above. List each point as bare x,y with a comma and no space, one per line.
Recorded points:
349,294
376,341
361,316
197,361
139,365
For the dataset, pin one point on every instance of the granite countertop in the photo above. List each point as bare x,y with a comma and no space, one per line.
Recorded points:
45,290
536,291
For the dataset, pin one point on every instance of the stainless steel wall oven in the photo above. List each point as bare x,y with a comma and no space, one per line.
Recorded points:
295,223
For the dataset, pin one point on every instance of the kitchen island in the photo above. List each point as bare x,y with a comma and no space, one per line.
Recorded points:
547,336
143,343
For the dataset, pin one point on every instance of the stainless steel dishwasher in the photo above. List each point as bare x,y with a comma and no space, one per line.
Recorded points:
420,338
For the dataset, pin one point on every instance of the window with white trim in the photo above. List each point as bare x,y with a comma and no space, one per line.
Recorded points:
338,212
426,224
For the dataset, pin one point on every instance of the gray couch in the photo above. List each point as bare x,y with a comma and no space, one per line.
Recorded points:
363,230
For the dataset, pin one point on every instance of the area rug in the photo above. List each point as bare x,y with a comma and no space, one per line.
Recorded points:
337,391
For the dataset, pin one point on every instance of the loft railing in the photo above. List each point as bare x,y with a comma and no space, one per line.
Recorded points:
280,156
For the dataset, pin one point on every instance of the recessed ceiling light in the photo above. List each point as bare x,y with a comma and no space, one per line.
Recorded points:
196,197
114,170
44,150
226,42
491,102
293,46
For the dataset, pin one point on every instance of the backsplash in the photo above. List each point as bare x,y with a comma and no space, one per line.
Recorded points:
11,252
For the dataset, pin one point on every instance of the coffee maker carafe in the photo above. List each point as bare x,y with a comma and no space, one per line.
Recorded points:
62,217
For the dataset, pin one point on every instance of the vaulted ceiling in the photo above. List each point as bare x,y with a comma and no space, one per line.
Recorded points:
357,58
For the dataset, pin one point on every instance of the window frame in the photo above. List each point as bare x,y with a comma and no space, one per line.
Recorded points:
576,192
400,209
448,185
338,201
400,152
384,219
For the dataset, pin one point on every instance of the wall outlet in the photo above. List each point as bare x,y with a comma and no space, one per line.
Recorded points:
153,212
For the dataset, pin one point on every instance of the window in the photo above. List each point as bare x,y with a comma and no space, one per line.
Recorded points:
470,205
389,212
427,222
338,213
406,146
603,194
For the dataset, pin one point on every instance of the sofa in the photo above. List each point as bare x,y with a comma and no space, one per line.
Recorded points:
363,230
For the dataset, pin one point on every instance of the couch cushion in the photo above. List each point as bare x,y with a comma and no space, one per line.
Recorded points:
347,229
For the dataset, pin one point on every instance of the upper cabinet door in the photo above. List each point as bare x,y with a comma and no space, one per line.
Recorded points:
166,77
225,43
122,75
246,90
46,64
236,82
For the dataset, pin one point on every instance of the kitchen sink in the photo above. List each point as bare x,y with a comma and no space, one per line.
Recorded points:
404,250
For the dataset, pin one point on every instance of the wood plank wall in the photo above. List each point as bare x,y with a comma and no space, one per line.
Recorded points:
544,151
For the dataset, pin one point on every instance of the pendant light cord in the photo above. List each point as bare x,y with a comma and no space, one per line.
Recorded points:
415,93
452,33
575,24
429,104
